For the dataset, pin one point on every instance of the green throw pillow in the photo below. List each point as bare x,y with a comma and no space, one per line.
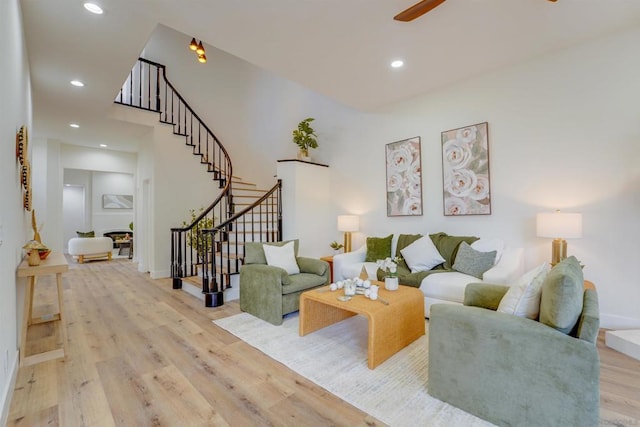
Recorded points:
472,262
378,248
86,233
562,295
254,254
448,246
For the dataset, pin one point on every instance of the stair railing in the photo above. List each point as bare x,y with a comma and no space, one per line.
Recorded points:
214,242
260,222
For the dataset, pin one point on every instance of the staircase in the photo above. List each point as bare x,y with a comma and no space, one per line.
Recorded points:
210,249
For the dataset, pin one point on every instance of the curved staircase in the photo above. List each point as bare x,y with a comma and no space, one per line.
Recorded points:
210,249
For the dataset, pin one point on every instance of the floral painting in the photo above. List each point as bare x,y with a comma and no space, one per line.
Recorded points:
465,171
404,178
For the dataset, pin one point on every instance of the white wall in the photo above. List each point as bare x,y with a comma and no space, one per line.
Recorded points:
15,111
104,220
252,111
563,133
62,157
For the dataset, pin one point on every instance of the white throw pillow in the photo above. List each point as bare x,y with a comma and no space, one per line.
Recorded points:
488,245
422,255
282,256
523,298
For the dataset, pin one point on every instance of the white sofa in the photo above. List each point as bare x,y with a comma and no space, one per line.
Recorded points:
90,247
446,287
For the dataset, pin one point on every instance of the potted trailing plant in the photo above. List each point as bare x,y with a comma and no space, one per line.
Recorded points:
305,138
198,241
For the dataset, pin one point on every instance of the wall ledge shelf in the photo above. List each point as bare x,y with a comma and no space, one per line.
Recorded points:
303,161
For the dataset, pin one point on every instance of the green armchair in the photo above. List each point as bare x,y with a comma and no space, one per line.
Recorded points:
269,292
513,371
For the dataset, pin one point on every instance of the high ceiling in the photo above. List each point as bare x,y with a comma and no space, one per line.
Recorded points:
339,48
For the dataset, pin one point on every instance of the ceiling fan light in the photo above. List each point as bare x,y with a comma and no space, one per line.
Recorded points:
202,58
200,49
193,45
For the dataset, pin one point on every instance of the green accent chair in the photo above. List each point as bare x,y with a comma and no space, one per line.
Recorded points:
513,371
269,292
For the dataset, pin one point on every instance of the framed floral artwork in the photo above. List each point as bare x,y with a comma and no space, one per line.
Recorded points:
404,178
465,171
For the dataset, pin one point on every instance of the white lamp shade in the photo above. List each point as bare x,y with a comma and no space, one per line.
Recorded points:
348,222
559,225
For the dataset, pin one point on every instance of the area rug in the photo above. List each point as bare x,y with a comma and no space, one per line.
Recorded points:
335,358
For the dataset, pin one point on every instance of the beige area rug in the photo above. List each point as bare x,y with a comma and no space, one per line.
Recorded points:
335,358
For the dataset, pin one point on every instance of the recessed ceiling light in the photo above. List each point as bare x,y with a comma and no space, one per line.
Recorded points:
93,8
77,83
103,145
397,63
74,125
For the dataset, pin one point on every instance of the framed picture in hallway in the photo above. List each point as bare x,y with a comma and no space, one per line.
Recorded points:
404,178
465,171
117,201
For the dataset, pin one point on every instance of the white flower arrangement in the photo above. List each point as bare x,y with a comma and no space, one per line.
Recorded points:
389,265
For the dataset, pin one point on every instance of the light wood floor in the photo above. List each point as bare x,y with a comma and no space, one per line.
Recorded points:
142,354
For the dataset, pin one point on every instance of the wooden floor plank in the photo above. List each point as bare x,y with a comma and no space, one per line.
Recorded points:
141,353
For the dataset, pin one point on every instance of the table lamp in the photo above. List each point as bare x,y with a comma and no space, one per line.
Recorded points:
348,224
559,226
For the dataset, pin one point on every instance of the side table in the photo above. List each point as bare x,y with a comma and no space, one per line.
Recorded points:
54,264
329,259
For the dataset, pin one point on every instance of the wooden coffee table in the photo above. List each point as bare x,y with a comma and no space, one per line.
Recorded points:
391,327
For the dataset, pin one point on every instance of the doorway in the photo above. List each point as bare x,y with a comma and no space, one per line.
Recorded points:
73,211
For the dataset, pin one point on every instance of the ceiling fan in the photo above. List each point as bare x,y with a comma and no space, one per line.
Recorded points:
422,7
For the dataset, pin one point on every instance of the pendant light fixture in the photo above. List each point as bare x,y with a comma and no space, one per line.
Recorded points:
198,48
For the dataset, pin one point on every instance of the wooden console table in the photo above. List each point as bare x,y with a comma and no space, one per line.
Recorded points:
54,264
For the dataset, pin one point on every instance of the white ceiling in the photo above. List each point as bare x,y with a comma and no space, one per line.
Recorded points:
339,48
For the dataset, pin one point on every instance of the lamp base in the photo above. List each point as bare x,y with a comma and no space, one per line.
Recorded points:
558,251
347,241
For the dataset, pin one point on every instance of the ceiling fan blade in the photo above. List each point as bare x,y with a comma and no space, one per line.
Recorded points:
418,10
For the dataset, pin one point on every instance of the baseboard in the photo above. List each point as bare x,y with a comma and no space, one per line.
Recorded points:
7,393
160,274
611,321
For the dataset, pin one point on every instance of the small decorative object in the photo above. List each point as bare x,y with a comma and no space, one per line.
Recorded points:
373,292
349,287
33,247
44,253
336,246
390,266
34,226
304,137
465,171
22,144
404,178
